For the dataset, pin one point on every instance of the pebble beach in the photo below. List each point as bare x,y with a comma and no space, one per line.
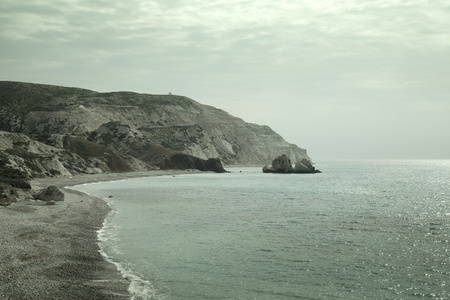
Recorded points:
51,251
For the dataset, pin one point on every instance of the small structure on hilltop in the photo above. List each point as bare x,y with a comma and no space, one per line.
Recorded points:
282,164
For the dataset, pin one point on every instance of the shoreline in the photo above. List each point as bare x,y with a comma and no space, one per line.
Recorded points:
53,251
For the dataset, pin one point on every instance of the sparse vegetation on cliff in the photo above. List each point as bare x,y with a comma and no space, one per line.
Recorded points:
60,131
11,177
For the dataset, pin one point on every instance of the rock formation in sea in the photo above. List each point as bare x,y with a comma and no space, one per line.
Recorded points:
282,164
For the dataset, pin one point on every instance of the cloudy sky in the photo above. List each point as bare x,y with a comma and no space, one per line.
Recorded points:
341,78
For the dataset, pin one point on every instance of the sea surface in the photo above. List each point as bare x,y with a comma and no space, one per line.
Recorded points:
359,230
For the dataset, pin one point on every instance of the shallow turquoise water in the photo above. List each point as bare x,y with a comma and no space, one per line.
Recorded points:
361,229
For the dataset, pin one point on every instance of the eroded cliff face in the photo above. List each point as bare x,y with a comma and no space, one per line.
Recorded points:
140,129
37,159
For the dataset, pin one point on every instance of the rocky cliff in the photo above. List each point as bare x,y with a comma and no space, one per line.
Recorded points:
53,130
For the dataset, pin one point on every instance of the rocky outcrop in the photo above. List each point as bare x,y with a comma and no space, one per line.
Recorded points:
305,166
182,161
122,119
51,193
282,164
36,159
11,195
13,182
4,201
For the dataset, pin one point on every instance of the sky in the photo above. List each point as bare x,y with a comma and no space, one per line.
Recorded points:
345,79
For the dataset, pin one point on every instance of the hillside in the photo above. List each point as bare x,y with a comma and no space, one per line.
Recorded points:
87,131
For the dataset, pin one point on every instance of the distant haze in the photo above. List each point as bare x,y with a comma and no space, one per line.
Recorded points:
341,78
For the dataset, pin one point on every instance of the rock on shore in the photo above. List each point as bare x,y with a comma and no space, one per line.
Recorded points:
51,193
51,251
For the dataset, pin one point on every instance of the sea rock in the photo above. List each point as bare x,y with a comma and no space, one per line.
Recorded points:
50,193
305,166
215,165
282,164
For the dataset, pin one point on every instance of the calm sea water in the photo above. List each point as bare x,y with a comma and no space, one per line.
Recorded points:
359,230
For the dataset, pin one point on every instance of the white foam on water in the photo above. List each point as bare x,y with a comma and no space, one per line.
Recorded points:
139,288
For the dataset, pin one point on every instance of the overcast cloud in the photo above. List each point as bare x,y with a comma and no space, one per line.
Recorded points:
343,78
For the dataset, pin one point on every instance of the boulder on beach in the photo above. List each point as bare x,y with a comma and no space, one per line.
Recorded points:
49,193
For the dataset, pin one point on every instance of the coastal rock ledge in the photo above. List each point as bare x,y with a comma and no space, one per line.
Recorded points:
282,164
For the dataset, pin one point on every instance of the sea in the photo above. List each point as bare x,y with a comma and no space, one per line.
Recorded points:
361,229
